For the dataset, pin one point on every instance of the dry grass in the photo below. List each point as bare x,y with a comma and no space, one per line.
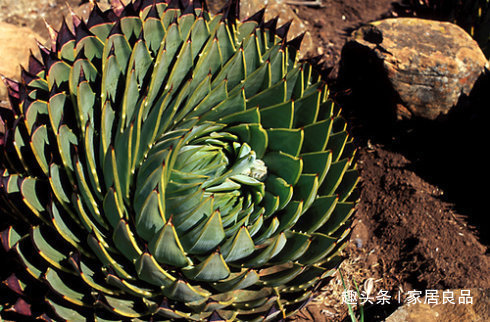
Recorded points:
328,304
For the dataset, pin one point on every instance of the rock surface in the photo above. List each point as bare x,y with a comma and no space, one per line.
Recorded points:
15,43
428,63
478,310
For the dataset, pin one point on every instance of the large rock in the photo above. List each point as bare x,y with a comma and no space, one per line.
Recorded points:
15,43
428,63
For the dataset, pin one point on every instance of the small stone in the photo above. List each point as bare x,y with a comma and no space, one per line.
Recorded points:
428,63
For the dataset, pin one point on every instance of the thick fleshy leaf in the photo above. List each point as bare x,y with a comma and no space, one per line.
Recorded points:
160,162
240,246
210,234
212,269
166,247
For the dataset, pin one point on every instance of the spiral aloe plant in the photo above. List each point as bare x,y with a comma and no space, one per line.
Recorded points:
162,163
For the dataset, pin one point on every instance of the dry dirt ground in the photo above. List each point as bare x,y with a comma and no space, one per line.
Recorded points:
419,223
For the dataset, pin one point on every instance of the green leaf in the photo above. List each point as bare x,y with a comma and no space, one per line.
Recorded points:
306,109
166,247
277,186
317,163
281,275
237,281
205,236
183,292
153,32
87,271
278,116
66,139
125,307
288,141
131,27
56,107
342,212
277,65
35,109
64,312
252,54
128,287
58,74
284,166
102,30
296,245
65,227
267,230
266,254
30,189
186,220
317,215
348,184
103,255
91,47
31,266
87,196
122,51
334,176
149,220
290,215
336,144
215,97
233,104
181,67
225,41
47,250
163,62
251,115
125,241
239,246
58,285
321,245
306,189
269,97
113,211
209,62
212,269
10,237
199,35
111,79
316,136
85,104
39,145
151,272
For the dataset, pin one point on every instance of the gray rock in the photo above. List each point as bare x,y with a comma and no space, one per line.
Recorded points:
428,63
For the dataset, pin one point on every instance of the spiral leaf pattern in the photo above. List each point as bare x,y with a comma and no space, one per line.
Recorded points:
162,163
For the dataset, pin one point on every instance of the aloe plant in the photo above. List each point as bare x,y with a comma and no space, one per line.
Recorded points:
162,163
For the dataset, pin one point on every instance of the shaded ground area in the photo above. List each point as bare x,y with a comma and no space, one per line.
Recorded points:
331,24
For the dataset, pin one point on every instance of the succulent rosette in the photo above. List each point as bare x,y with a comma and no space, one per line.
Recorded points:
161,163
